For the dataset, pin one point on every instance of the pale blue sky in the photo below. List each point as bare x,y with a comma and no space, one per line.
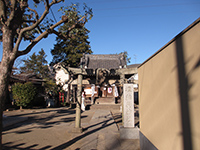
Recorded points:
139,27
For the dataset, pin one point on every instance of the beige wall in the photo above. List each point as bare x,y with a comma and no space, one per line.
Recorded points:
169,93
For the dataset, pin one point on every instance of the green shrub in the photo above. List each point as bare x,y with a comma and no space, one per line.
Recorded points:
23,94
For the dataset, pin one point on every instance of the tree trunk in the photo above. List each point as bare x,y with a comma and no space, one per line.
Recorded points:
3,84
5,71
4,76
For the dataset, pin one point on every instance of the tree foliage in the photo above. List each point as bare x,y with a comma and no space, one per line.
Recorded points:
51,85
23,94
128,59
36,64
69,52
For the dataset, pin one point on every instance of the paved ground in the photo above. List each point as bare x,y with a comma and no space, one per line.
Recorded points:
51,128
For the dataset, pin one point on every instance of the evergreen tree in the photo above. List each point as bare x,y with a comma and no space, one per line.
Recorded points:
69,52
36,64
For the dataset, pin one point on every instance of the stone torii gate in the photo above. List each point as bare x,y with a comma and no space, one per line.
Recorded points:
80,72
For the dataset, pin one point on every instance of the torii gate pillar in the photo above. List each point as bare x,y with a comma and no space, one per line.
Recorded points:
78,105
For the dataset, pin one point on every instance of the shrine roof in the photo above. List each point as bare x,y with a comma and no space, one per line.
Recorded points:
26,77
133,65
110,61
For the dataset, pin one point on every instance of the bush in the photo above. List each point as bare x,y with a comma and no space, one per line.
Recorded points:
23,94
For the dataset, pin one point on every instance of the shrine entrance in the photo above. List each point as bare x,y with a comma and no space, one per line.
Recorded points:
103,78
107,95
100,94
106,91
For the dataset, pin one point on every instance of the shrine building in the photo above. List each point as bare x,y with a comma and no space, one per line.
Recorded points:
103,77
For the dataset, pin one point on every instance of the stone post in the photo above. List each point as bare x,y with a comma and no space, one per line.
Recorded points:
128,105
78,105
128,131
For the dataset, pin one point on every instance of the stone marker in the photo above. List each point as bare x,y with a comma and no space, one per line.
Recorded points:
128,131
128,107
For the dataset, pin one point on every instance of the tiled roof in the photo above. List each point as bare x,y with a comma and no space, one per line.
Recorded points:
133,66
111,61
26,77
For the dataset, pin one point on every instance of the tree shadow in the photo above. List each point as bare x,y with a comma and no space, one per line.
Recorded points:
42,111
183,95
67,144
47,123
43,122
74,140
7,146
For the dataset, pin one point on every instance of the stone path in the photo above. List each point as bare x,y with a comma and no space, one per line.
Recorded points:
52,129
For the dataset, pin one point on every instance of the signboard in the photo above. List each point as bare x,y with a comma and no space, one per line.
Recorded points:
88,92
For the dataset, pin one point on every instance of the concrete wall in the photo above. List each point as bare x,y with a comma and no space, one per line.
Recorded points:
169,93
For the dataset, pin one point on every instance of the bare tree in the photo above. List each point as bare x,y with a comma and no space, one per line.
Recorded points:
19,22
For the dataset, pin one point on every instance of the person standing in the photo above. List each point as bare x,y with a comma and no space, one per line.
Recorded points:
83,101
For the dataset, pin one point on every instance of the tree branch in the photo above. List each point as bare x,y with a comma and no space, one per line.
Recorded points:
46,11
47,4
40,37
33,10
65,37
74,25
45,33
12,12
60,35
29,21
55,2
2,12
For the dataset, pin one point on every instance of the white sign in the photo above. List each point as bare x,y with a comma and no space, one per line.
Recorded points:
89,91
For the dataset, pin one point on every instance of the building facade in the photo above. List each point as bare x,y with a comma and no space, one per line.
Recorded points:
103,77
